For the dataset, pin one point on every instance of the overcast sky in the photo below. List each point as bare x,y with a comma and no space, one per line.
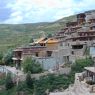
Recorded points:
32,11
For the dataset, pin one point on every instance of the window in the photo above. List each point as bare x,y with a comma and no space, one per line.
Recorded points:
49,53
36,54
72,52
77,46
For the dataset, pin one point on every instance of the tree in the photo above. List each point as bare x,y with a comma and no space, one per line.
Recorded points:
21,86
31,40
8,82
29,80
7,59
1,57
31,65
49,35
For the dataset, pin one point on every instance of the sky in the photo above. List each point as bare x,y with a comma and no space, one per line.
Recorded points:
33,11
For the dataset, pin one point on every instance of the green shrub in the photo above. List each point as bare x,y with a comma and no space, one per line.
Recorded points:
21,86
31,65
31,40
7,59
29,80
9,83
1,57
81,63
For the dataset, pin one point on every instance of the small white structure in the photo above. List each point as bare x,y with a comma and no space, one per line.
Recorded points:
92,52
57,93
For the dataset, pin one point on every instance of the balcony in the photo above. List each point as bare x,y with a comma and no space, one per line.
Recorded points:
17,58
92,24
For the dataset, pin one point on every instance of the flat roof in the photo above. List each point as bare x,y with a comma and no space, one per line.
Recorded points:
57,93
91,69
18,49
90,31
90,36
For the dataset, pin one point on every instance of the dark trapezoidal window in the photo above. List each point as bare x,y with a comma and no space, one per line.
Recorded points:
77,46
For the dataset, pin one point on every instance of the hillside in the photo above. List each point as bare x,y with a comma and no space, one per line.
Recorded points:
15,35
